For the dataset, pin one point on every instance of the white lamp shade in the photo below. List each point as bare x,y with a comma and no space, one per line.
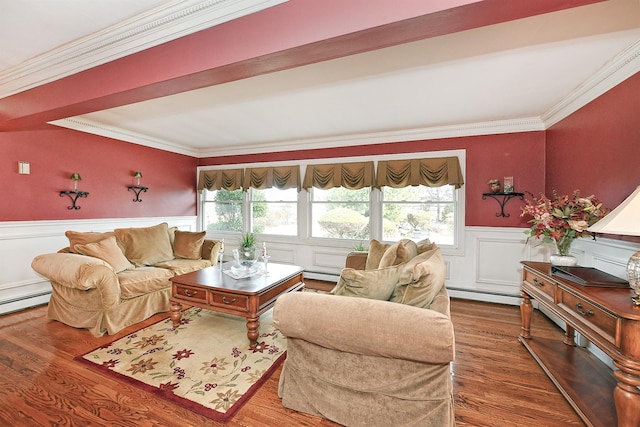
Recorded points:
623,220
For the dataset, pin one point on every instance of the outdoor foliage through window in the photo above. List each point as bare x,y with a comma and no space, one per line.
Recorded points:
419,212
340,213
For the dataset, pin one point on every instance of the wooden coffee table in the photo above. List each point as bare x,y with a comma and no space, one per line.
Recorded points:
212,289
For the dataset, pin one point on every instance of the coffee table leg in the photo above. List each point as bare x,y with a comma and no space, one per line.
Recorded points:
176,313
253,323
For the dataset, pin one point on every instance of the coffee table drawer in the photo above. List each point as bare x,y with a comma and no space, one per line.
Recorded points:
230,300
189,293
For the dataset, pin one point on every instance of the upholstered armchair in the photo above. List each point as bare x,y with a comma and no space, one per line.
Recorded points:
363,361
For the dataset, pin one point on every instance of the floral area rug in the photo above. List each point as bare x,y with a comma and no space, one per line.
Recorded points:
204,365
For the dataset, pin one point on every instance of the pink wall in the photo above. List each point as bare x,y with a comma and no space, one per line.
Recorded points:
106,167
597,149
519,155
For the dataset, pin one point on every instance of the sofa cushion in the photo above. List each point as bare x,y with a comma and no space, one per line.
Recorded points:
183,266
373,284
146,245
84,237
108,251
142,280
421,279
398,253
376,250
188,244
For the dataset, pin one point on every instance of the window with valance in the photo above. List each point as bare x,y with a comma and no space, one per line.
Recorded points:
353,176
283,178
434,172
229,179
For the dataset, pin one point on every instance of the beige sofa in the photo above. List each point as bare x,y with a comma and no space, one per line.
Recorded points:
107,281
378,351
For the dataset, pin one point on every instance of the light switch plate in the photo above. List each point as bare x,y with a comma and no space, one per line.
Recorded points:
24,168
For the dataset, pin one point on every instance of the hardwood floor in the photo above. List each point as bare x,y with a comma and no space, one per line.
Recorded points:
496,382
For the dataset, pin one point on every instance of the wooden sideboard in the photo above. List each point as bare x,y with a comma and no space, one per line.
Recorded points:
606,317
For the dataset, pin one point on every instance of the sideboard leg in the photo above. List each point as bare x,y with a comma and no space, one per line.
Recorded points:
627,396
525,312
569,336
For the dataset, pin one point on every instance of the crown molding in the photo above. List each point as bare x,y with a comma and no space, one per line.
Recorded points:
97,128
530,124
614,72
154,27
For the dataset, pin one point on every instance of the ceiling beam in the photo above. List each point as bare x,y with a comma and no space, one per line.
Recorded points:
289,35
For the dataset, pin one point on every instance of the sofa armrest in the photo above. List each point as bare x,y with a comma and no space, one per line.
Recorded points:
365,326
210,250
78,272
356,260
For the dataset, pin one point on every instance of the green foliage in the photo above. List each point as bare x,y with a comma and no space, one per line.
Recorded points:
229,211
360,247
344,223
247,240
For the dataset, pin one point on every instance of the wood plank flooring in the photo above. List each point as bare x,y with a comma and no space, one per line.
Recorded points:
496,382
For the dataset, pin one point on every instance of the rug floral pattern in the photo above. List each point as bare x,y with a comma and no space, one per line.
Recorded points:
205,361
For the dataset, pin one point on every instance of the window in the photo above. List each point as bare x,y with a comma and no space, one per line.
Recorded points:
340,213
274,211
222,210
419,212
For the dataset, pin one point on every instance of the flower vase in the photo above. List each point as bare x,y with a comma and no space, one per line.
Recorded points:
562,258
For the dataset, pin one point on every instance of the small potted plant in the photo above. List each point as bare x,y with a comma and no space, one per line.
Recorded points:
494,185
247,252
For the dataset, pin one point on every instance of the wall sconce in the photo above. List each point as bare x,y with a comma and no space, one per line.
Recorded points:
75,193
137,188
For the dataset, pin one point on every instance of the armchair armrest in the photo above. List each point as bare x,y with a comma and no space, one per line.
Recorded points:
210,250
368,327
356,260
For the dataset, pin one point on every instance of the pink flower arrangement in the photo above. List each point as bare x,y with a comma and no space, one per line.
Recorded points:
562,218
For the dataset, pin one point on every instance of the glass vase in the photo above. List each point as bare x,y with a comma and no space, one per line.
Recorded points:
562,257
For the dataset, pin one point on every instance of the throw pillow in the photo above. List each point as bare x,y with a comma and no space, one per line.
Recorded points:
398,253
420,282
188,244
376,250
424,245
146,245
373,284
82,238
108,251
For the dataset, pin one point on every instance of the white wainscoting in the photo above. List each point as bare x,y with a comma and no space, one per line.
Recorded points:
485,268
21,241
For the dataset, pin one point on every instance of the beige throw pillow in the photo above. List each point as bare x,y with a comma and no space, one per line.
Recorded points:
421,279
373,284
146,245
398,253
376,250
82,238
108,251
188,244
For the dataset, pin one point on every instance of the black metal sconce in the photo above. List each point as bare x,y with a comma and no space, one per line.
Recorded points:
137,188
502,198
74,194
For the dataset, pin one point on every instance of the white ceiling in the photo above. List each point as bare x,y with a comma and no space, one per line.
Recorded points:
517,76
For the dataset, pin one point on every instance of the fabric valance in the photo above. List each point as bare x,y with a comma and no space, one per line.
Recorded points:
434,172
353,176
230,179
284,177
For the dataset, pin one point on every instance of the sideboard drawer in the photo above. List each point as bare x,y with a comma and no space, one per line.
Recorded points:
230,301
591,314
540,283
188,293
